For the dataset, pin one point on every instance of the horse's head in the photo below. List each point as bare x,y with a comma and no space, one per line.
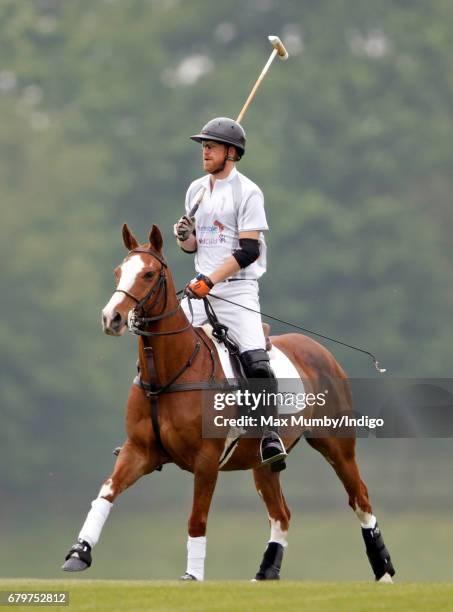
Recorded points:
140,278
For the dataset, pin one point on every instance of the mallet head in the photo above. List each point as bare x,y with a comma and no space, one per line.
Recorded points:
277,44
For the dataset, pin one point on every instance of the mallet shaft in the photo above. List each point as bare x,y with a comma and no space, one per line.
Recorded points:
279,49
257,84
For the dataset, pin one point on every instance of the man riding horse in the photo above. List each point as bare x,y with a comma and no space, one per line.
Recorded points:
226,235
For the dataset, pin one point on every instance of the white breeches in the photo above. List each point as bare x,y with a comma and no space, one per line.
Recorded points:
245,327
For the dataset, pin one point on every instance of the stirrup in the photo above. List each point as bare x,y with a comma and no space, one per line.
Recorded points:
272,449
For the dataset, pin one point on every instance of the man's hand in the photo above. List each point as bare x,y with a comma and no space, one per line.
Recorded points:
184,228
199,288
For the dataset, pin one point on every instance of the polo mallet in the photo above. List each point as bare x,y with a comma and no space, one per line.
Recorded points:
279,50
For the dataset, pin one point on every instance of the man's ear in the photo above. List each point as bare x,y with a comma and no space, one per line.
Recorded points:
130,241
232,154
155,238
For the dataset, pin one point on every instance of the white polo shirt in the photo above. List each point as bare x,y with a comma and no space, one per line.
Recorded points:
236,204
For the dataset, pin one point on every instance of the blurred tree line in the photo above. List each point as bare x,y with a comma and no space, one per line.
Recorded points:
350,141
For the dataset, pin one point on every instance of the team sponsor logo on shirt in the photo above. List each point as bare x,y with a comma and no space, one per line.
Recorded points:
216,229
220,227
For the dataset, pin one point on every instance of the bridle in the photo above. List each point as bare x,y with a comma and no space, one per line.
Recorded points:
158,291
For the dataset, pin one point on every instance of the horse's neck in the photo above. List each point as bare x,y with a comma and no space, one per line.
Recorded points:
173,350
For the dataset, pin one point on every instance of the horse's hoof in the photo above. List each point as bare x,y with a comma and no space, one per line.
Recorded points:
386,579
270,574
271,563
78,558
74,565
187,576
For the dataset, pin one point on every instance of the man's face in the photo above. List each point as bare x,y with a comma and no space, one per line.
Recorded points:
213,155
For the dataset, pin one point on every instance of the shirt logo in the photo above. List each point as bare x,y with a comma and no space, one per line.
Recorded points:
212,234
220,227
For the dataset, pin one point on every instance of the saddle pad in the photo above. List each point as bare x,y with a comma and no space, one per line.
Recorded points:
290,384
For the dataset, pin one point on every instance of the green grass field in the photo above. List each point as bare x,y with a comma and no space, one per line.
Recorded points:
240,595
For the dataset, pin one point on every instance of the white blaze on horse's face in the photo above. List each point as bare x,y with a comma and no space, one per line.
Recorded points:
114,322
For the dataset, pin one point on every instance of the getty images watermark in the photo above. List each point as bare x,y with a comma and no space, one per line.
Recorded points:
257,402
379,407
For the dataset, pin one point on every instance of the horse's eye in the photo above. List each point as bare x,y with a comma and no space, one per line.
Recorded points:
148,275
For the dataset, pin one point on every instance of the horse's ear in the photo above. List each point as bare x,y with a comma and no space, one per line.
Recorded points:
155,238
130,241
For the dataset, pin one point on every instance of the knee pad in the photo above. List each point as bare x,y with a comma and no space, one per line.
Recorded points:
260,377
256,364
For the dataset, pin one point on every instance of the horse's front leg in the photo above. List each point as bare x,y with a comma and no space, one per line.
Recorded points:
206,470
132,463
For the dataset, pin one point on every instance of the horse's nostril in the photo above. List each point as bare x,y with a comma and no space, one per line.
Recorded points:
116,321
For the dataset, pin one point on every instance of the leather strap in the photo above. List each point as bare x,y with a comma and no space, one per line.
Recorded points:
214,385
152,252
153,389
153,384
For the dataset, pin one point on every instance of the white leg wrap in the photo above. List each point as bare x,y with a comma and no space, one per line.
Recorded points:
367,520
277,534
94,522
196,553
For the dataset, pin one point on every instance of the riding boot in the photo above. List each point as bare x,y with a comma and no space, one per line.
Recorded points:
257,368
272,449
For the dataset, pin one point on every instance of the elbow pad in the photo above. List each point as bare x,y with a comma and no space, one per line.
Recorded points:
186,251
248,252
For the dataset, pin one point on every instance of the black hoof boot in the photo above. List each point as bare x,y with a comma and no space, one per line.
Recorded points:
271,563
187,576
272,449
378,555
78,558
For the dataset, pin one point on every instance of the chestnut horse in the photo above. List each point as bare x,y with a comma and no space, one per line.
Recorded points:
183,355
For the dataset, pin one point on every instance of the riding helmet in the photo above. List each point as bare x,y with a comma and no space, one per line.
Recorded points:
224,130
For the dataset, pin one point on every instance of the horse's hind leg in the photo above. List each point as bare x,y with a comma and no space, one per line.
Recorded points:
340,453
130,465
268,486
